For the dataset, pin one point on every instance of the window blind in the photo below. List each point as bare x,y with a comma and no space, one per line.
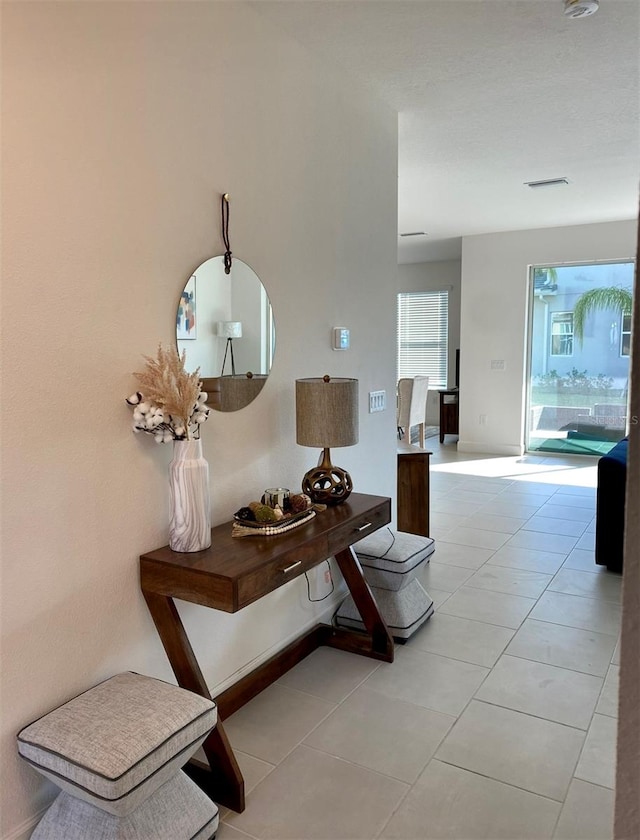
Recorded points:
423,336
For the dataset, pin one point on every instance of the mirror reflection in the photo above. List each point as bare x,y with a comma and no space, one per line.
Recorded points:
224,322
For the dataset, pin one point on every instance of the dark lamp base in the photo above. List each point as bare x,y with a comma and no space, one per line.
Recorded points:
327,486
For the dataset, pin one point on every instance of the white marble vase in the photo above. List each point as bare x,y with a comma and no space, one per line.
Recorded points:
190,526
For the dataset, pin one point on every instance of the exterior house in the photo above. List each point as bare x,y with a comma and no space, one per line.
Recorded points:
604,350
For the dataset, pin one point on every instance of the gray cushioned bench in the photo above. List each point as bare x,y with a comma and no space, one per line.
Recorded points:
391,561
116,752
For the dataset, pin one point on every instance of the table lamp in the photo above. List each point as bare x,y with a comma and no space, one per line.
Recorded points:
229,330
326,416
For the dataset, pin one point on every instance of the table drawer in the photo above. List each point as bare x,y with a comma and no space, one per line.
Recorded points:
257,583
357,528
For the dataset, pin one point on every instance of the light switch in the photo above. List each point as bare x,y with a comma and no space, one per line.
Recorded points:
377,401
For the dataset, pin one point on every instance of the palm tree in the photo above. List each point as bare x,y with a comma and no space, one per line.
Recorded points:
545,276
608,297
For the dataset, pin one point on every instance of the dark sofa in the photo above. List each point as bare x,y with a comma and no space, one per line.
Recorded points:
612,479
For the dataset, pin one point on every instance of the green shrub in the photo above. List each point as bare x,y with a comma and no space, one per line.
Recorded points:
574,382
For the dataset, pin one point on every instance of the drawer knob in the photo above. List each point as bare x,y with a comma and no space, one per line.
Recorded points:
291,567
364,527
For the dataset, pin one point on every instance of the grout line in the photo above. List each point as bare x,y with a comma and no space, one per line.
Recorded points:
239,830
365,767
453,484
526,714
552,664
508,784
299,743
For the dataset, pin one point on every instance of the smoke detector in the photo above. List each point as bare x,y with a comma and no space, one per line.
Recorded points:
580,8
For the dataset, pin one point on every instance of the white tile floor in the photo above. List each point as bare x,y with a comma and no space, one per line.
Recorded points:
496,720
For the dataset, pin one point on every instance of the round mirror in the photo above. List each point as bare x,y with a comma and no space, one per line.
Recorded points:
225,325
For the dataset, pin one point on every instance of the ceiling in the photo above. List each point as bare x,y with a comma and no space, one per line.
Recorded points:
491,94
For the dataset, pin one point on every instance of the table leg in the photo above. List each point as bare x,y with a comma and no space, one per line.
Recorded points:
379,642
222,780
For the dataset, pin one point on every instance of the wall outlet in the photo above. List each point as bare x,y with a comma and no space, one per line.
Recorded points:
377,401
482,420
497,364
319,582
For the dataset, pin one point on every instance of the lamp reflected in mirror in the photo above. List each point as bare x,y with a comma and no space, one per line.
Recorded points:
229,330
215,305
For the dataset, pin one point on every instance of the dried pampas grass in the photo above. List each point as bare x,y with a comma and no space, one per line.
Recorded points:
166,383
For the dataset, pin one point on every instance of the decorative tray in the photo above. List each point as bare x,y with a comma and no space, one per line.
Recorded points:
247,528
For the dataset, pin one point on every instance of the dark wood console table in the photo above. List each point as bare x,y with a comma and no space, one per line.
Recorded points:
235,572
413,489
449,412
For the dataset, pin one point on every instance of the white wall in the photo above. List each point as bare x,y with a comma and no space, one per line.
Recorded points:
493,321
627,813
436,277
122,125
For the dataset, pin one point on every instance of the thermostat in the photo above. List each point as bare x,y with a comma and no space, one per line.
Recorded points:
341,338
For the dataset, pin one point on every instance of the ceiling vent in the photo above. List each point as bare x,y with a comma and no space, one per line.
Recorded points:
550,182
414,233
580,8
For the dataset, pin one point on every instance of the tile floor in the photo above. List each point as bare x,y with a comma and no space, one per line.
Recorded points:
496,720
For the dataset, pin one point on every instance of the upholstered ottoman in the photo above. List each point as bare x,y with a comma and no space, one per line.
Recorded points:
390,561
116,752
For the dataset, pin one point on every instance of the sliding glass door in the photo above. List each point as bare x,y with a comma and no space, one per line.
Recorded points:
579,344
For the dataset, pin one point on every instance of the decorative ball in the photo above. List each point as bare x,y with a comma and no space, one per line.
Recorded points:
299,502
264,513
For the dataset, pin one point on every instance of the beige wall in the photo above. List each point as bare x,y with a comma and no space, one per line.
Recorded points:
122,124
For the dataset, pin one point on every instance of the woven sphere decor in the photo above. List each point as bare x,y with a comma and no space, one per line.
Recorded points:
327,486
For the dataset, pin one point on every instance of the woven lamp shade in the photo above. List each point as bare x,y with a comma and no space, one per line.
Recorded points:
326,412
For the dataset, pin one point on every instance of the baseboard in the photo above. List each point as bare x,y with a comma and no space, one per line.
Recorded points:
325,616
490,448
24,830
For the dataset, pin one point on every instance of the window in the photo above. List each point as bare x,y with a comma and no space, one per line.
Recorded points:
423,335
562,334
578,365
625,336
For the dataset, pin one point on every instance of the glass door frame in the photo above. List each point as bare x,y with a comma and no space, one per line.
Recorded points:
529,335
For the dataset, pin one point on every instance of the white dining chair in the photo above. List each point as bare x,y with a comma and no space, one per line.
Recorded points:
412,406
